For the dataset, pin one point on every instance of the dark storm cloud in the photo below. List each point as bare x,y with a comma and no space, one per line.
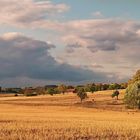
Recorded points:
21,56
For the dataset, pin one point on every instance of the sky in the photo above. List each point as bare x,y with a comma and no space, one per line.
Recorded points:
68,41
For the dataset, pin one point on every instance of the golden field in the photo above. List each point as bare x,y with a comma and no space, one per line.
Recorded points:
63,117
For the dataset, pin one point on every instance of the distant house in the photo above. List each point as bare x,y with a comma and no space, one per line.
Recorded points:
70,89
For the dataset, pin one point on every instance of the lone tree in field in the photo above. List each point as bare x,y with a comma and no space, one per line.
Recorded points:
81,94
115,94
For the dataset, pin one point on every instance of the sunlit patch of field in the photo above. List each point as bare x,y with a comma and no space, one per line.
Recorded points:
62,117
6,95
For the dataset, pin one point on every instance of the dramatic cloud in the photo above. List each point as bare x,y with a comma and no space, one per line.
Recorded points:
28,12
104,35
106,42
21,56
101,45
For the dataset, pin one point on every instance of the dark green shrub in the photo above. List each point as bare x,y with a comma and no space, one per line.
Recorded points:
89,88
132,96
53,91
16,94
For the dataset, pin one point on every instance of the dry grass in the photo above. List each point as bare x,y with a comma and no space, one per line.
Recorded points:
62,118
6,95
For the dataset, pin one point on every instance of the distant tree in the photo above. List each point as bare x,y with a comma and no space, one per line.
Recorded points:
82,94
115,94
22,91
98,87
87,88
40,91
114,86
90,88
123,85
132,96
111,86
62,88
117,86
105,86
52,91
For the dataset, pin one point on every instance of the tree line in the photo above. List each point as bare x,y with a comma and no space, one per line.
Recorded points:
131,98
74,89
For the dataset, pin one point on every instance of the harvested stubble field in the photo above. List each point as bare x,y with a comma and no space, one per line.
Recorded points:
62,117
